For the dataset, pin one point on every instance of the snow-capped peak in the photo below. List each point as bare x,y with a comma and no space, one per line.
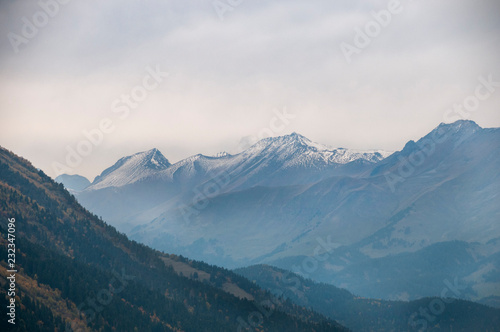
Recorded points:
292,140
131,168
156,159
276,153
295,149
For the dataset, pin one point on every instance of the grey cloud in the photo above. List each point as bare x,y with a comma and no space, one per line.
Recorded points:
227,76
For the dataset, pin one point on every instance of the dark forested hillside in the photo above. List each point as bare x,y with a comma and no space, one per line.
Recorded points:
76,273
361,314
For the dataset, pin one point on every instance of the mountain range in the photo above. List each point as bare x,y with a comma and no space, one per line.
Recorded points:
74,272
349,218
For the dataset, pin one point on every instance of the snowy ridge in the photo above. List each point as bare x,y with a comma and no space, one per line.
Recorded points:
271,155
130,169
270,204
297,150
266,156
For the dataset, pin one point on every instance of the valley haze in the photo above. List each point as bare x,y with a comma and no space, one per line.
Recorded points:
285,201
250,165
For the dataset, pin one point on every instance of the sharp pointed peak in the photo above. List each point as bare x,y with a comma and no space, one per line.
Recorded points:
124,168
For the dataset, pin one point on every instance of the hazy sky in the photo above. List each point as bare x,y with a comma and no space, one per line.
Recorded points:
232,65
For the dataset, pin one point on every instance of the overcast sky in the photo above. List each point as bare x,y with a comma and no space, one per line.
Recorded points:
231,68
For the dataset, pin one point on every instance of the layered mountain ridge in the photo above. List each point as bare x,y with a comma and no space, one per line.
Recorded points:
289,151
77,273
74,272
273,202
